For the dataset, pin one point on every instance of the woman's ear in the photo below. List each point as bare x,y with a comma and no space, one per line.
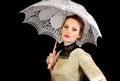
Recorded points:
79,36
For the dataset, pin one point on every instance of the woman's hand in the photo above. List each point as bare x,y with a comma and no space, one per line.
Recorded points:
51,59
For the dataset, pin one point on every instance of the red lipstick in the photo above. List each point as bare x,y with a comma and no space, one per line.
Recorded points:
67,36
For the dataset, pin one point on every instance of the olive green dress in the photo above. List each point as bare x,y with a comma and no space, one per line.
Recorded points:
75,66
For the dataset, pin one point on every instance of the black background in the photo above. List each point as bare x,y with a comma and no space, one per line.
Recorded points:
29,50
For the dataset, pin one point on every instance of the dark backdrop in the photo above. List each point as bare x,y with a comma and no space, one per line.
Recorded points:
31,49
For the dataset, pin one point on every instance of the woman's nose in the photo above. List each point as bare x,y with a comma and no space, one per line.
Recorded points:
68,30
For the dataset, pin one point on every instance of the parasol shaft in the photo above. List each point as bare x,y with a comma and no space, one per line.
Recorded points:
53,52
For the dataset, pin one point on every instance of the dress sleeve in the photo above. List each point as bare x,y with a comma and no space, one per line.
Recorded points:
91,70
58,53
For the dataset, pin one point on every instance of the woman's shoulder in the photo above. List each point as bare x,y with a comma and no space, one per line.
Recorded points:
80,51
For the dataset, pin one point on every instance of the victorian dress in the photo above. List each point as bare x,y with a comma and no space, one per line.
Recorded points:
73,63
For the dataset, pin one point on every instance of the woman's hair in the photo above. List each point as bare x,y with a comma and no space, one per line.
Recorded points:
80,20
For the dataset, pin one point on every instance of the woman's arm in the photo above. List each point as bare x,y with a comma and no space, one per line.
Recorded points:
89,67
51,59
52,78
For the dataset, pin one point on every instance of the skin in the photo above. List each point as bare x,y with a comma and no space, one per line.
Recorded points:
70,31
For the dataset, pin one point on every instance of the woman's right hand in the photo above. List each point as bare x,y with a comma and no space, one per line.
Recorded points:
51,59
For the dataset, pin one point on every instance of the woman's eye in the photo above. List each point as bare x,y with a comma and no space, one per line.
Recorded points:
74,29
65,26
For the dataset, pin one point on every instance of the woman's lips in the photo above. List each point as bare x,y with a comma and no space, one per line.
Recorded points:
67,36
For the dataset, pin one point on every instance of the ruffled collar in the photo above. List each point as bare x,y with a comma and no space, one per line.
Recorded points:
67,50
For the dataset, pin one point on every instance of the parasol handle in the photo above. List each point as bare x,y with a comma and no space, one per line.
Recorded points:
49,66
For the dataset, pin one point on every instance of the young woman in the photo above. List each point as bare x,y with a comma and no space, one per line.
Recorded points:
72,63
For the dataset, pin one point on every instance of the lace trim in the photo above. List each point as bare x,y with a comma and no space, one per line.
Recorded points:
64,54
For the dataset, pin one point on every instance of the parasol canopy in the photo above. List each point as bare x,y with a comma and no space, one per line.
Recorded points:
47,17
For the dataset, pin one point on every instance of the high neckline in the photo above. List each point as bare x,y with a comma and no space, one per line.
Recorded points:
67,50
69,47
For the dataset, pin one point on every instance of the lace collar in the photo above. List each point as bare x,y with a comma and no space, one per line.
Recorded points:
67,50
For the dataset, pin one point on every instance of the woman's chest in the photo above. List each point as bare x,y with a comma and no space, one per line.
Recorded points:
66,66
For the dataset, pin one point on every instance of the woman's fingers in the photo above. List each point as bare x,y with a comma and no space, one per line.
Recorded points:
50,59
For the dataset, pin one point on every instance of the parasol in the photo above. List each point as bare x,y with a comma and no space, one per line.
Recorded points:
47,17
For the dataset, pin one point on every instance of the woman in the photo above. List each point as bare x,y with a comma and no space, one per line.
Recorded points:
72,62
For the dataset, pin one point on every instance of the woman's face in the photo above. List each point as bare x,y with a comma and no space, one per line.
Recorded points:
70,31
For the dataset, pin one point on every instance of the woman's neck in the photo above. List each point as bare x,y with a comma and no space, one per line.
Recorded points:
68,43
66,50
